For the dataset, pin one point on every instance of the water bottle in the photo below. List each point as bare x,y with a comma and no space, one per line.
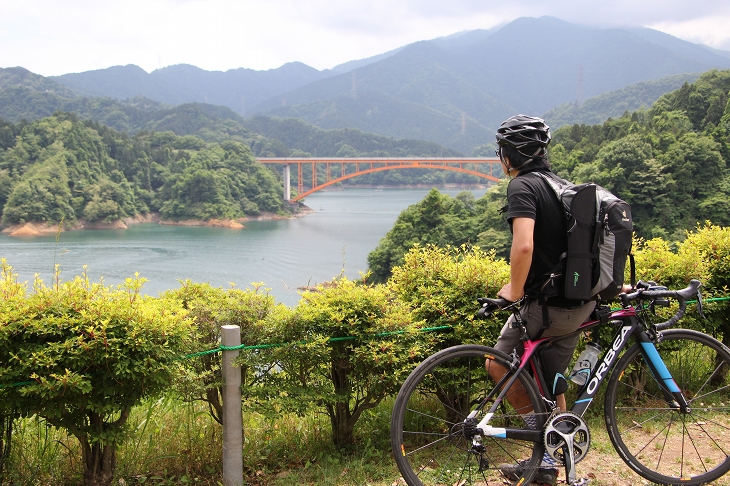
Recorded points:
585,364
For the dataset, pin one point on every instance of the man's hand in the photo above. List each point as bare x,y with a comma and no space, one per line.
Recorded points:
508,293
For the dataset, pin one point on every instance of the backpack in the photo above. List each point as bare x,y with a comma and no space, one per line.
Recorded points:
599,242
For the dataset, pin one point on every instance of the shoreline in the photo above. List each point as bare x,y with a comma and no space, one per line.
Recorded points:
49,229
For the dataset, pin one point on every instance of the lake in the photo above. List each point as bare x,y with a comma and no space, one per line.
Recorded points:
346,226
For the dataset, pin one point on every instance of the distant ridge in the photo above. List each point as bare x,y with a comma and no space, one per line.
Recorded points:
613,104
453,90
487,80
183,83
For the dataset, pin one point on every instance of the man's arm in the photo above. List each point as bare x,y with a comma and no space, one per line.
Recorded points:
520,256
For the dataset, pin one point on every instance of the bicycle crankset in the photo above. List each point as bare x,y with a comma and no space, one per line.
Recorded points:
566,432
567,440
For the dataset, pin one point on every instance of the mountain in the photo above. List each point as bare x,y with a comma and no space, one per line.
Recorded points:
25,95
464,38
487,78
344,142
453,90
183,83
615,103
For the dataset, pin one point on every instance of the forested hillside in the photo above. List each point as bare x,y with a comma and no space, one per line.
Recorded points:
63,169
671,163
24,95
614,104
453,91
450,94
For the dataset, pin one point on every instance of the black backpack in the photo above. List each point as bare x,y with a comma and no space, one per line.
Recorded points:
599,242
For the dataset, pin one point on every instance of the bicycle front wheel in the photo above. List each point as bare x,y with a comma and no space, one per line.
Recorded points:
654,437
431,437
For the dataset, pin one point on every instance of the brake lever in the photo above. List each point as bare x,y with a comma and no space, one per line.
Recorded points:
699,304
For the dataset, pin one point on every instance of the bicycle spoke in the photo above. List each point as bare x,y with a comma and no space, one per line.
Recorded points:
432,443
710,436
663,443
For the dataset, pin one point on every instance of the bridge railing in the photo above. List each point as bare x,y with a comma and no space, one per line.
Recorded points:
338,169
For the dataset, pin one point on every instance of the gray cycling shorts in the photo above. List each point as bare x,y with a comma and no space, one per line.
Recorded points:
563,320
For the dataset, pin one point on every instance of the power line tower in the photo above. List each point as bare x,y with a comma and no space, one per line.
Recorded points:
243,106
579,94
463,122
353,92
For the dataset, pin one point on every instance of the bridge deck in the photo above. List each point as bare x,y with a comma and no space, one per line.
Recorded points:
347,168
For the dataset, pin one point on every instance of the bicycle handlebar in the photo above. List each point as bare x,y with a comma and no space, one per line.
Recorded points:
648,291
692,290
490,306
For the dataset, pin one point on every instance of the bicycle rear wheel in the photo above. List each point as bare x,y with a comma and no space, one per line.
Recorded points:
431,440
656,439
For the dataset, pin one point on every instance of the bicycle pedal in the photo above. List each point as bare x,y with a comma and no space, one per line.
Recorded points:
580,482
483,464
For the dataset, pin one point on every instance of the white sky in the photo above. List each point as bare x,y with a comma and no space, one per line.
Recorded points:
52,37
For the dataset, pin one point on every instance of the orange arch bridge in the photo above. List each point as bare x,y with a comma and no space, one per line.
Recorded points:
340,169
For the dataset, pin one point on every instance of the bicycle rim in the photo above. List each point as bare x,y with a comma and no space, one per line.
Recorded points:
658,441
430,442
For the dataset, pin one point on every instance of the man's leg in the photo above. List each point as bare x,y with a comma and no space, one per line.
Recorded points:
516,396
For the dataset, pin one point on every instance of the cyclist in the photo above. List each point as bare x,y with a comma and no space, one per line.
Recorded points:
539,236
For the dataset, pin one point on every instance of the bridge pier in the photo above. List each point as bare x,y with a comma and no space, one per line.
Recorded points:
287,181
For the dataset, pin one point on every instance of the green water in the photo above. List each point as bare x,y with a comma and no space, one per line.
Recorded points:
346,226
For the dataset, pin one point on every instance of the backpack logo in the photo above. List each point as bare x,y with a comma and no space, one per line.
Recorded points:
575,279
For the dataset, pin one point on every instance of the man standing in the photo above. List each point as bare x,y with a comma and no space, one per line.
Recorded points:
539,238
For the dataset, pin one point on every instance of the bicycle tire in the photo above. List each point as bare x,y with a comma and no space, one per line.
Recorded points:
428,438
657,441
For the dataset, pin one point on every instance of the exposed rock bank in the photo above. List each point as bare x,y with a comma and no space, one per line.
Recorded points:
47,229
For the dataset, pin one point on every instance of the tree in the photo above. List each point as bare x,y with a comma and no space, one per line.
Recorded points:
41,195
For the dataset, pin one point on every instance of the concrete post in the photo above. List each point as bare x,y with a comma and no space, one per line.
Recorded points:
232,418
287,183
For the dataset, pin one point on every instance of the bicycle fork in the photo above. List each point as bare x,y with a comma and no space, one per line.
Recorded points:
671,392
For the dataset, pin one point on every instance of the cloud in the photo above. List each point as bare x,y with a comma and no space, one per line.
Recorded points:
712,31
52,37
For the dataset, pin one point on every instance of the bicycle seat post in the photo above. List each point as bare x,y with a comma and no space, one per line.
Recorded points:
519,323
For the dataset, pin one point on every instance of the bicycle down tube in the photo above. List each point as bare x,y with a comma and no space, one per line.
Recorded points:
629,326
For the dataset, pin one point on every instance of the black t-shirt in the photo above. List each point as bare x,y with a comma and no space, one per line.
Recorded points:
528,196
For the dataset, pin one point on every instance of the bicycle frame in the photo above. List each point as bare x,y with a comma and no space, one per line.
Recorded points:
629,326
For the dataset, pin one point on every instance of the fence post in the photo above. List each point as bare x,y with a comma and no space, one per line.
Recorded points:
232,419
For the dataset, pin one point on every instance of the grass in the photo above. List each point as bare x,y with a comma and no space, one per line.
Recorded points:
172,442
176,443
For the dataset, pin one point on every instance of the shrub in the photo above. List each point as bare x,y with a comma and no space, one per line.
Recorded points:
91,352
209,308
342,358
442,285
712,244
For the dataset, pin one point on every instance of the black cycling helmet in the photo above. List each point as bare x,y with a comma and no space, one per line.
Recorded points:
528,135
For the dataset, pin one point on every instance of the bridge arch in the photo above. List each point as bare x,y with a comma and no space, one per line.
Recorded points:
370,165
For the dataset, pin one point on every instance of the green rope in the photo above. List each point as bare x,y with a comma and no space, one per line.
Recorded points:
330,340
221,348
20,383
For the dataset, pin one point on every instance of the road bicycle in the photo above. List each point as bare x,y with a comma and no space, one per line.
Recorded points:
667,403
